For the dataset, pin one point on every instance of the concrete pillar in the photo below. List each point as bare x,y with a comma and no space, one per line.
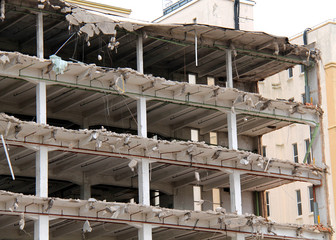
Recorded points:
145,231
231,116
41,225
229,80
232,130
39,36
235,192
85,188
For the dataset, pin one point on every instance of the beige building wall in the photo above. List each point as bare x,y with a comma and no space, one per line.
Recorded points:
283,202
279,144
212,12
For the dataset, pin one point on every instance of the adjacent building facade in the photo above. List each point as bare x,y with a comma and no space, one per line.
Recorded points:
214,12
294,141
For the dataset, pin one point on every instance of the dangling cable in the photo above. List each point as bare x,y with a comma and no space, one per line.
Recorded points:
64,43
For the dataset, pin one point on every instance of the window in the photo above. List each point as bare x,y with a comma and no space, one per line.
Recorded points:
192,78
194,135
268,212
295,153
302,68
213,138
290,72
211,81
197,198
303,98
215,198
311,198
263,151
157,198
307,142
298,202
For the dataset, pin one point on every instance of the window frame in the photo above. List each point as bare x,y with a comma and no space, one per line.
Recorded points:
290,73
215,135
309,158
211,81
311,198
263,151
302,69
298,202
295,155
216,202
268,206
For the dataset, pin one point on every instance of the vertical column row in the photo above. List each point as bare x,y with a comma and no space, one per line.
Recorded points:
41,225
145,231
235,185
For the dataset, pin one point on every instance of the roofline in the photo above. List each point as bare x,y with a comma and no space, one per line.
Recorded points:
316,27
100,6
162,17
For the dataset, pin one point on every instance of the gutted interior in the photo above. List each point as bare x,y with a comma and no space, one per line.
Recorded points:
92,93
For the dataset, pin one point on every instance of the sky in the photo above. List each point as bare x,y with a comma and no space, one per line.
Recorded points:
277,17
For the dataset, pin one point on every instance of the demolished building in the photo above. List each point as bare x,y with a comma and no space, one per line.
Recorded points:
107,119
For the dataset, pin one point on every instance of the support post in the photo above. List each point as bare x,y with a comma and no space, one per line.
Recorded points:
232,130
231,116
229,80
85,188
235,192
145,231
39,36
41,225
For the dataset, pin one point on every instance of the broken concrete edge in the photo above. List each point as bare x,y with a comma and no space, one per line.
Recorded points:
97,22
252,101
103,211
189,147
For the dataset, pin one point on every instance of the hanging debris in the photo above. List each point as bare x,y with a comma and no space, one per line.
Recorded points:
58,65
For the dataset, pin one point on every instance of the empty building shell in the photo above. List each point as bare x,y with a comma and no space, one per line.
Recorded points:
92,97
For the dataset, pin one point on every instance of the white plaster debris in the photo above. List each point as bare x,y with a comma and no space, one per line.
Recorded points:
58,65
128,213
201,152
124,78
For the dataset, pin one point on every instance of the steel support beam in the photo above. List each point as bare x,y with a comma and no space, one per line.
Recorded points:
145,231
235,193
41,226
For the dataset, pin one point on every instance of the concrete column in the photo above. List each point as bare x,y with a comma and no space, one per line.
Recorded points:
41,226
42,172
235,192
145,231
232,130
231,116
229,80
39,36
85,188
142,117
